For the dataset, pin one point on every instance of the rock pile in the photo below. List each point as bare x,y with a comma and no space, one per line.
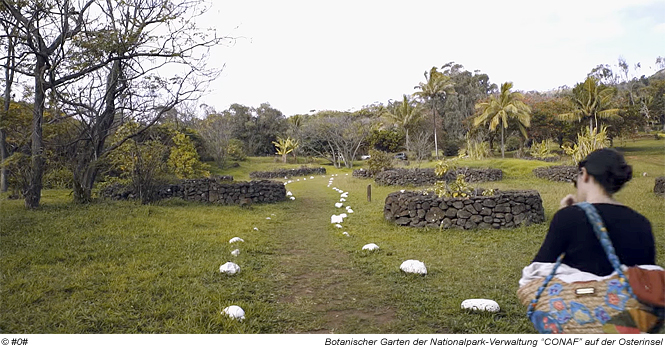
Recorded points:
563,173
504,210
282,173
427,176
362,173
659,187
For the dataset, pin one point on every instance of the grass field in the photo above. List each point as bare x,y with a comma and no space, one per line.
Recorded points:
120,267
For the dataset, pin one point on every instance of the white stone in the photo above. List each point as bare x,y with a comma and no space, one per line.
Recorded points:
481,305
645,174
235,312
293,198
342,199
304,179
348,207
414,266
297,179
338,205
311,177
338,225
346,234
401,191
336,219
238,239
350,211
370,247
235,252
343,215
229,268
289,181
345,194
289,193
268,218
286,183
256,228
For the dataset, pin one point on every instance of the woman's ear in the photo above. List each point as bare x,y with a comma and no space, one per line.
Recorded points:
585,177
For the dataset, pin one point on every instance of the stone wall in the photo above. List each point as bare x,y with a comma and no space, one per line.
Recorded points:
659,187
361,173
426,176
506,209
563,173
282,173
212,191
546,159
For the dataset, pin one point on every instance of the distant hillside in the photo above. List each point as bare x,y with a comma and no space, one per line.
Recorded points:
659,75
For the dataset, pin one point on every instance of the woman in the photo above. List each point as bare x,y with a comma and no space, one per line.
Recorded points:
601,174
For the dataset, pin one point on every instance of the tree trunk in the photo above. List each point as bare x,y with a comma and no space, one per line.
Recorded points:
502,146
407,140
34,191
86,170
436,141
9,79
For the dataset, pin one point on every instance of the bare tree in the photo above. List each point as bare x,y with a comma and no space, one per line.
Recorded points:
139,60
336,136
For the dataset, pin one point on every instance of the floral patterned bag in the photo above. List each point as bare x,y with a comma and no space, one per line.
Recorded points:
607,306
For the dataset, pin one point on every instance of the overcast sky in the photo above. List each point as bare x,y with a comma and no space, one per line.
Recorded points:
341,55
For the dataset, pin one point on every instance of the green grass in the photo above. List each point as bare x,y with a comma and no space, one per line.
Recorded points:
119,267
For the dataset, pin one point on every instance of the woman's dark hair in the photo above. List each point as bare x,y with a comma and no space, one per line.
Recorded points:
609,168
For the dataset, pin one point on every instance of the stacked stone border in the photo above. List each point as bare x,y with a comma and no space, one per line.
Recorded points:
211,191
427,176
659,186
546,159
561,173
282,173
506,209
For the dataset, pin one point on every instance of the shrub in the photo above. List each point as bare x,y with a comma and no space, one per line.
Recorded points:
235,150
512,143
587,142
388,140
379,161
541,150
184,160
450,149
18,165
60,177
476,150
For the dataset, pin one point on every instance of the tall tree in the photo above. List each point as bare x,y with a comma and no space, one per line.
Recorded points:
435,85
404,115
499,109
591,100
46,30
139,82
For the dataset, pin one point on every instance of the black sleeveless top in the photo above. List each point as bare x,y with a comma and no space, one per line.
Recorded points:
572,233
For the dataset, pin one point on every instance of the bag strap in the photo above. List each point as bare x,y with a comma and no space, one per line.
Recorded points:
541,289
601,233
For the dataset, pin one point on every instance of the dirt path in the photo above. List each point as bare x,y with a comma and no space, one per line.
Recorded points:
321,284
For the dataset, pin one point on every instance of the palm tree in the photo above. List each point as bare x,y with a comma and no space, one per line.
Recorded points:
501,108
404,115
590,100
436,84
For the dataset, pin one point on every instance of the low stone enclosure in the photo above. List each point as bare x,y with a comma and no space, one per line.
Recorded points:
282,173
212,191
427,176
563,173
659,187
505,209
